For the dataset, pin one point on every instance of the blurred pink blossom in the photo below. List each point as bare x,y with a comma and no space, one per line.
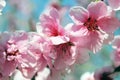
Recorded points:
23,5
115,4
116,54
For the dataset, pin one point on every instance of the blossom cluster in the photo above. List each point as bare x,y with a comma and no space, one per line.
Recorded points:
58,48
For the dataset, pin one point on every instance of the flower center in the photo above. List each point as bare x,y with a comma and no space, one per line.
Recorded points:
66,46
11,50
63,49
91,24
13,53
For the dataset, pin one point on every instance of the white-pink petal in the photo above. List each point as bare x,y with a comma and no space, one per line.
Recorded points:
116,42
115,4
97,9
79,14
108,24
59,40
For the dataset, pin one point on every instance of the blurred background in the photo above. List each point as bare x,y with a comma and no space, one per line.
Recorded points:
24,14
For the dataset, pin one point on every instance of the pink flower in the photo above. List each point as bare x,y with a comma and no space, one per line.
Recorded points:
115,4
116,42
13,54
50,24
93,25
65,55
38,47
116,53
62,48
6,66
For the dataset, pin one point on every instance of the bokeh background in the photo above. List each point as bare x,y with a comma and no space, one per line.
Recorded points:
24,14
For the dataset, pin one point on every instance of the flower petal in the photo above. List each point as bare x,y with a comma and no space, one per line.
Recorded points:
92,41
59,40
81,55
8,68
115,4
97,9
109,24
116,42
79,14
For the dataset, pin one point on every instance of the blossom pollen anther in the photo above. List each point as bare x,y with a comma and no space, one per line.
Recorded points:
91,24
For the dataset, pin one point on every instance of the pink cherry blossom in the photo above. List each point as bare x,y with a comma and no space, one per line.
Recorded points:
36,48
65,55
50,23
116,54
62,48
115,4
4,63
93,25
13,54
116,42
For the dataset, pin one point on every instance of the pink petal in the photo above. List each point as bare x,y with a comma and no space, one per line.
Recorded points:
109,38
8,68
82,55
51,12
92,41
59,40
59,64
108,24
116,42
28,72
42,63
97,9
50,26
115,4
54,13
79,14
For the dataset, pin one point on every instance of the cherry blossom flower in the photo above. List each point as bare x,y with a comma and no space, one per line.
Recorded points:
93,25
115,4
116,54
37,46
62,49
13,54
50,23
4,71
